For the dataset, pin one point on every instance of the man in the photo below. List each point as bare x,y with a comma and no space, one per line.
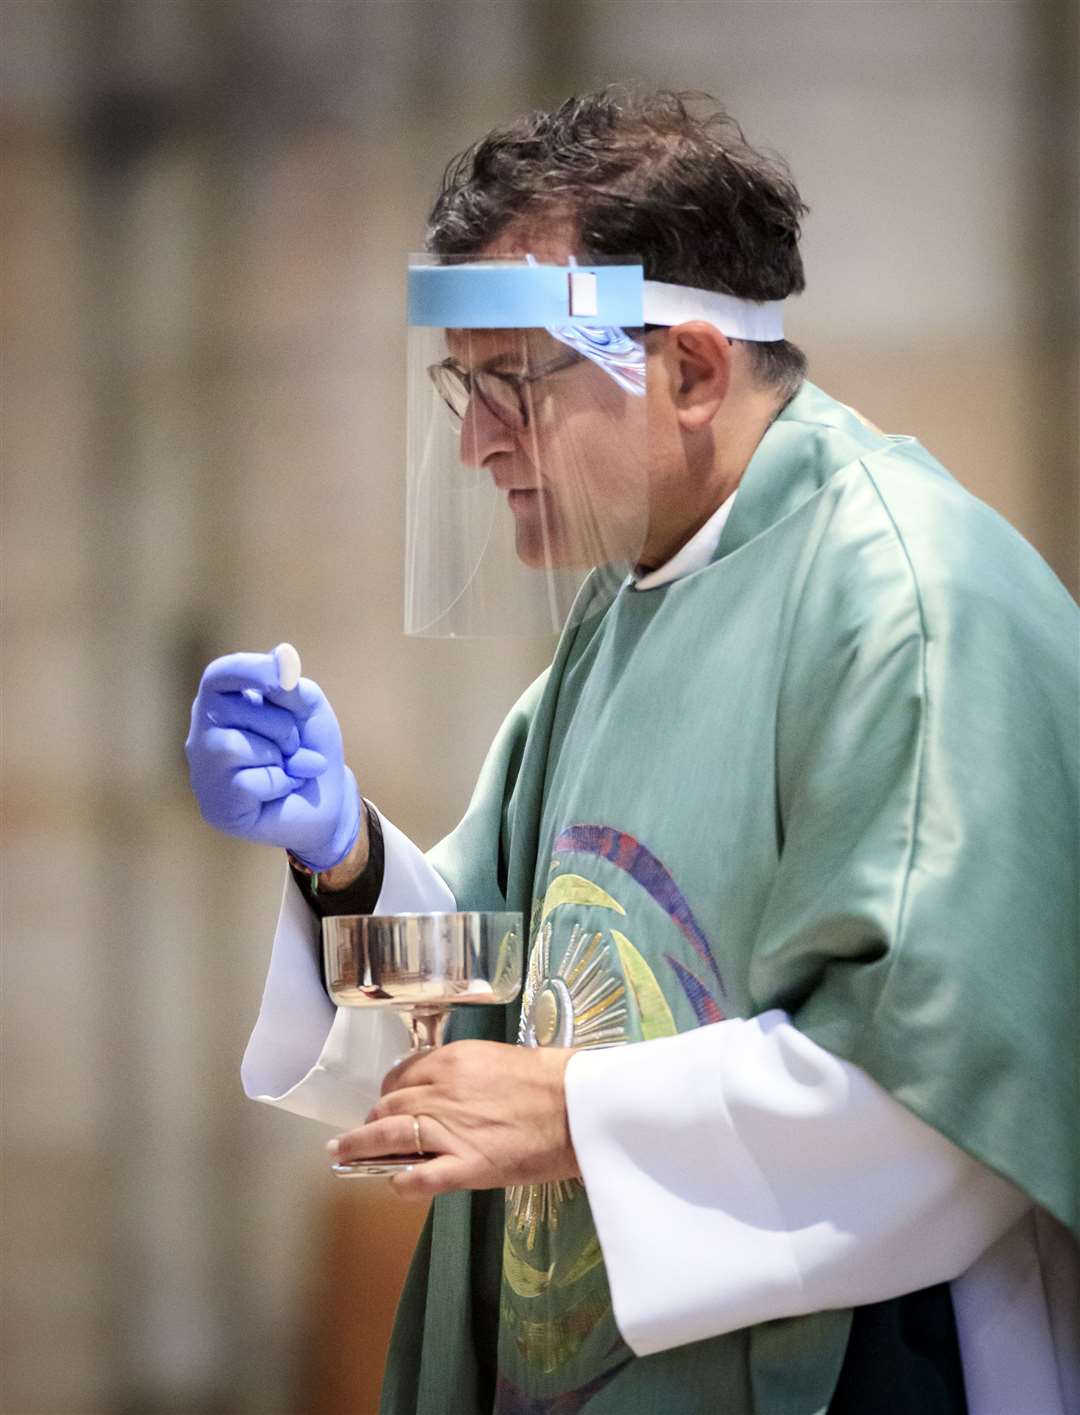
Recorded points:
793,812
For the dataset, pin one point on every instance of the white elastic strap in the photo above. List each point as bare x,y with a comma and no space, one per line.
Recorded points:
761,323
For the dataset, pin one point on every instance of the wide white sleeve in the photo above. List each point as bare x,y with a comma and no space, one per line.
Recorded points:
777,1180
306,1055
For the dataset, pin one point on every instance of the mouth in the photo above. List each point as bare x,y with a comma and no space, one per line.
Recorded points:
522,496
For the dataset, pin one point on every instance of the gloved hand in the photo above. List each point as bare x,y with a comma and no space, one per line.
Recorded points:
268,764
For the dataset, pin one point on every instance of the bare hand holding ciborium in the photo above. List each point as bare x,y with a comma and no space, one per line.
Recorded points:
420,965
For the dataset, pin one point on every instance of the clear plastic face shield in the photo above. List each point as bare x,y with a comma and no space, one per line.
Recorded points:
526,450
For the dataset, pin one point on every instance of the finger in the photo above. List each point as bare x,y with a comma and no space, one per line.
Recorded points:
231,748
392,1136
301,701
410,1100
412,1071
284,817
305,762
238,710
263,783
237,671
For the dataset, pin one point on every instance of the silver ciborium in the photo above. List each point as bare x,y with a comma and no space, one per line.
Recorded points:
420,965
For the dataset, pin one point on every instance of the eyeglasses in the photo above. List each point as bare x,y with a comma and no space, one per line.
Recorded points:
502,394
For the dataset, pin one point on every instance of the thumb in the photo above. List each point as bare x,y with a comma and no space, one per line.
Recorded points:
285,688
306,763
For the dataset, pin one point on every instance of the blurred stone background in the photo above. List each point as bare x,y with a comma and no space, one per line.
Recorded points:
206,205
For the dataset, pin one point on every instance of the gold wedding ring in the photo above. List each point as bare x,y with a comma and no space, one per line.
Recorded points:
416,1134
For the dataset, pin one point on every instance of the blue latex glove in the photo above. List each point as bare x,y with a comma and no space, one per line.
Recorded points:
268,764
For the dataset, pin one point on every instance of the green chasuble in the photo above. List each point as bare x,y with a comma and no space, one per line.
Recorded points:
833,771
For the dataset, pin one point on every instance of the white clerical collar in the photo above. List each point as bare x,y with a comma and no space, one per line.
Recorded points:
697,551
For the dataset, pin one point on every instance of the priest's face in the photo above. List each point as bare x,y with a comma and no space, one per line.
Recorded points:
560,439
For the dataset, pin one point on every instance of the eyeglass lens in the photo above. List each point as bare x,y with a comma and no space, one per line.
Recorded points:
499,395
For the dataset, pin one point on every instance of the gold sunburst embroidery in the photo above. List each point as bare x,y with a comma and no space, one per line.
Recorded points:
580,1003
530,1206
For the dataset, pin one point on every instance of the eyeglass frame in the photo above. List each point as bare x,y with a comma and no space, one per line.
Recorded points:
517,381
467,380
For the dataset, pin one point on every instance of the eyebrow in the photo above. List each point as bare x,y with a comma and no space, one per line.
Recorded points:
501,361
506,359
496,363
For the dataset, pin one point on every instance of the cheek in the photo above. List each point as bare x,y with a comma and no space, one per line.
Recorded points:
661,428
593,462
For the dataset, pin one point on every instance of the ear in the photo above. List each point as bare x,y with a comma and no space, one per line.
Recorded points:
699,362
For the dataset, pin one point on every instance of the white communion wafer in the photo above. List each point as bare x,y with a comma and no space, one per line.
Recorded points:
288,666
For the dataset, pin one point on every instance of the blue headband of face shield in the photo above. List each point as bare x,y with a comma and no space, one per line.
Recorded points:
586,307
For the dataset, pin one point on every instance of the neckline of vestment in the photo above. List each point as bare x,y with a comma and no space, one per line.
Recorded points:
697,551
812,437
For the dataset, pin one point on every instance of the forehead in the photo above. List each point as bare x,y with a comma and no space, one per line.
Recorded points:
551,239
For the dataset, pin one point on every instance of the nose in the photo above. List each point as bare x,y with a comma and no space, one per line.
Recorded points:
483,435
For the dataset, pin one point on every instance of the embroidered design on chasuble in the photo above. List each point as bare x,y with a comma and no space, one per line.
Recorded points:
585,986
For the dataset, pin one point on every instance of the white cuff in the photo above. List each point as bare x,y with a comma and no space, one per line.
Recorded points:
777,1180
307,1056
410,885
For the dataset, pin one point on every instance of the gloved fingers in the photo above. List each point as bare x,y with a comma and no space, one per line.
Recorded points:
303,700
238,710
229,748
237,671
305,763
262,783
285,817
258,672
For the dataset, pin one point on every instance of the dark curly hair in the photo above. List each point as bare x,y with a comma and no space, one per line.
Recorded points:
666,176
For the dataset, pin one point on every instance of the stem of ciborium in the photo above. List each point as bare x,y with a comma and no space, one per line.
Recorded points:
426,1028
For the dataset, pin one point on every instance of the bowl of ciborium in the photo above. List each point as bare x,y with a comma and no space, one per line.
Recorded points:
422,964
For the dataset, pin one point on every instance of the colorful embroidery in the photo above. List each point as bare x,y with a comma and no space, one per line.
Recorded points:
521,1276
530,1207
706,1009
641,864
654,1013
549,1344
576,889
584,987
581,1003
528,1281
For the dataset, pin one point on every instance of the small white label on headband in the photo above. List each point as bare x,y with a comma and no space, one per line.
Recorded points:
583,294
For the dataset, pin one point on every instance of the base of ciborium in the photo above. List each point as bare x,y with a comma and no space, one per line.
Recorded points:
382,1168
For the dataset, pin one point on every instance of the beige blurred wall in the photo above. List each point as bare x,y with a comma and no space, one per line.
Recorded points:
206,208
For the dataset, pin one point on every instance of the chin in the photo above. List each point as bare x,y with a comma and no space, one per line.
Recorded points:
541,558
543,546
542,552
